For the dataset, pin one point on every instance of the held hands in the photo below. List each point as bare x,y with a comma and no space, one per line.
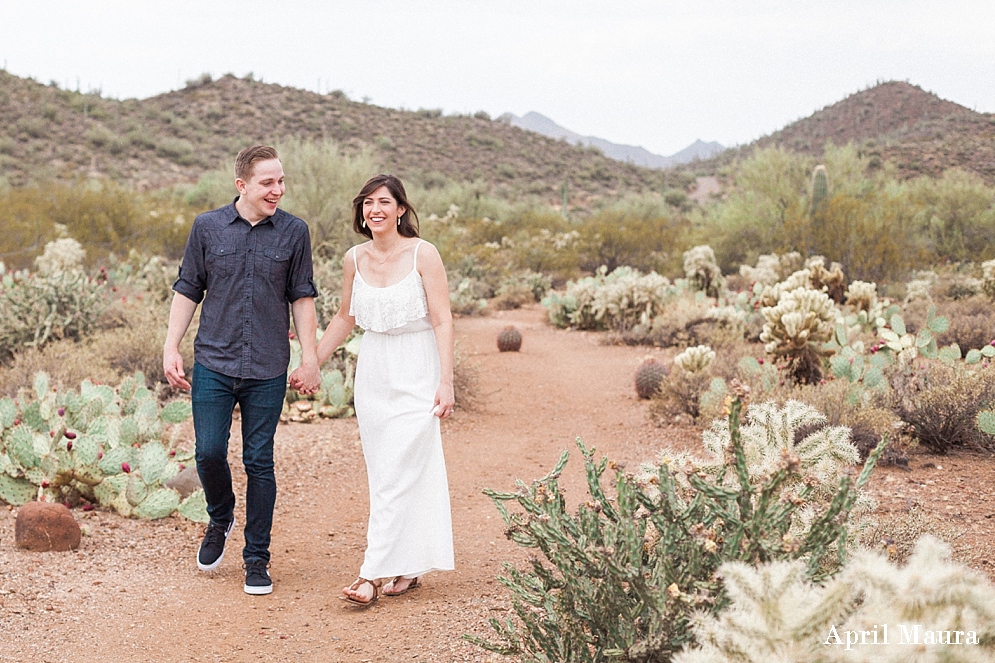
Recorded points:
306,378
172,364
445,401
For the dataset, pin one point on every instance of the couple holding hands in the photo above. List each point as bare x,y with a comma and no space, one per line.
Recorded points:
248,260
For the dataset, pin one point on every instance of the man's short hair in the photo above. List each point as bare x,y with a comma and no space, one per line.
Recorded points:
247,159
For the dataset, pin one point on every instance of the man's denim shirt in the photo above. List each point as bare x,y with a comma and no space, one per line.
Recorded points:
250,274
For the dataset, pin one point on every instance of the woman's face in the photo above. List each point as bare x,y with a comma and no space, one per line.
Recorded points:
381,210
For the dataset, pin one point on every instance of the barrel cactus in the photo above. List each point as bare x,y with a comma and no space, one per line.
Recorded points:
649,377
509,339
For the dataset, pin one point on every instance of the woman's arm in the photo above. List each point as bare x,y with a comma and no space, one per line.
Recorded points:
433,274
342,324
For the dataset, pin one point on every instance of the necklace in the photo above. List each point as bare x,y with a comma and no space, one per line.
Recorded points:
389,254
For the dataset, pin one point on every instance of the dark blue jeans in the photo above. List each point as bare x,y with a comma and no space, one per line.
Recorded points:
260,401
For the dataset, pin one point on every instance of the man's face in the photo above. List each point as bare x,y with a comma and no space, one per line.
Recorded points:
262,193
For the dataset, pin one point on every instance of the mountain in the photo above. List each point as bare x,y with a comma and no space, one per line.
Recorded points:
897,121
634,154
47,132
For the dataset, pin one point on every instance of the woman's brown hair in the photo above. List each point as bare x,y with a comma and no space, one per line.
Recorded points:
408,227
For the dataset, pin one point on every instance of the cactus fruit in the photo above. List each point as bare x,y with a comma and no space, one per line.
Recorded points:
649,377
509,339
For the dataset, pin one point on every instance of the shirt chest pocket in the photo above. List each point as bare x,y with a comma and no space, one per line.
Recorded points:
221,259
278,263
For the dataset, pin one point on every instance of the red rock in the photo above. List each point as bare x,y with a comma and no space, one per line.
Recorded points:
44,526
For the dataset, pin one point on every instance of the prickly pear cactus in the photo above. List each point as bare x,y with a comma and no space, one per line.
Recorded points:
509,339
101,445
649,377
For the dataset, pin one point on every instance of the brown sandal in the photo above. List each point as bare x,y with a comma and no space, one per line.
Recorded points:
414,584
355,587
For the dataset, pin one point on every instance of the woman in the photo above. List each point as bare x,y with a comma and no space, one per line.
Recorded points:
395,288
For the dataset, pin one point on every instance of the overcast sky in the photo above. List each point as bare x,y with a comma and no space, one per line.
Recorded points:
657,74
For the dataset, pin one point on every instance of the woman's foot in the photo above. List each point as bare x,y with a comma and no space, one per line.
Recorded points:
362,592
401,585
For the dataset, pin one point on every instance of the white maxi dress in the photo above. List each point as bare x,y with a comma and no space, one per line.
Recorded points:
410,529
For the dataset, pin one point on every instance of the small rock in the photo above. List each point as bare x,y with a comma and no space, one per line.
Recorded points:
185,482
44,526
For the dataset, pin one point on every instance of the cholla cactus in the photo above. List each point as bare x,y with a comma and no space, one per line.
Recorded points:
61,255
618,301
862,295
770,295
923,610
636,560
987,281
797,327
702,271
920,285
772,268
695,359
830,280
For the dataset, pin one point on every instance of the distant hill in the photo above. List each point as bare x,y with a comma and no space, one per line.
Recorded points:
47,132
541,124
922,133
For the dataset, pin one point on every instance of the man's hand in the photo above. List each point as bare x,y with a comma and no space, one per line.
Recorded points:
172,363
306,378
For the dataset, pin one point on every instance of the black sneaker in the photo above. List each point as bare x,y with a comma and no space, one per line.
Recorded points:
212,548
257,580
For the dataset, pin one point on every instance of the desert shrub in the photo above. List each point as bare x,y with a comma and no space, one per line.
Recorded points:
42,307
622,577
67,363
941,403
618,300
464,298
135,343
972,323
957,213
689,320
799,619
466,377
520,288
324,179
988,279
328,281
152,275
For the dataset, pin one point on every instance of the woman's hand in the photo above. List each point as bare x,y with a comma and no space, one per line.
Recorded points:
445,401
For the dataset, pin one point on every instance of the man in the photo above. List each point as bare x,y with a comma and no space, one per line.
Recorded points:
252,259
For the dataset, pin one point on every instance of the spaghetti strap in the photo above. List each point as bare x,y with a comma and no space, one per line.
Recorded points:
355,263
414,263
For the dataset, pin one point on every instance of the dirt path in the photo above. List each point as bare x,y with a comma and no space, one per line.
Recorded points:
132,593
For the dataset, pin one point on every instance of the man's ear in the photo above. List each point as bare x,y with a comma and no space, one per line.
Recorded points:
240,185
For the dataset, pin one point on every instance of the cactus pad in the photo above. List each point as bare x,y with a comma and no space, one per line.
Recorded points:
152,461
16,491
158,504
176,412
194,507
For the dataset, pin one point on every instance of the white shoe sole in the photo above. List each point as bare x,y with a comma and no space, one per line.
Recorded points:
221,557
258,591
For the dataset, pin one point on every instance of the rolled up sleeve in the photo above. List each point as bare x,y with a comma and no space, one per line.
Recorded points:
191,281
300,281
